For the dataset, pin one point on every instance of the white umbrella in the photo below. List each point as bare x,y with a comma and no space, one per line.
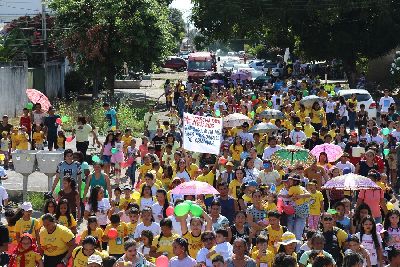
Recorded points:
235,119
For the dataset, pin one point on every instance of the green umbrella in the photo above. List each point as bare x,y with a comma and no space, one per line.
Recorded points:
261,79
292,156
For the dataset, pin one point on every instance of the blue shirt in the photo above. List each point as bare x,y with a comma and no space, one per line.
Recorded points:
111,116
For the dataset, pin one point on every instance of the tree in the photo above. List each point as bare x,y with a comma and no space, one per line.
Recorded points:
100,36
23,40
178,26
322,30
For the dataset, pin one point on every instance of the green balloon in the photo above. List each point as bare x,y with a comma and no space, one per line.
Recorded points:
385,131
114,150
217,113
29,105
83,185
269,103
252,114
181,209
64,119
386,151
189,202
254,97
196,210
96,158
57,189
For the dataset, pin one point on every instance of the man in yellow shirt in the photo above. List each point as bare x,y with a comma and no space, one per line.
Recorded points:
262,107
308,128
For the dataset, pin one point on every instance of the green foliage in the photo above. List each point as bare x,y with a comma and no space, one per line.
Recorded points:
37,200
129,114
395,70
99,36
320,30
178,26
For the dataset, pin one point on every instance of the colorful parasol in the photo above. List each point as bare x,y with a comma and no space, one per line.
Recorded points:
194,188
350,181
293,156
334,152
38,97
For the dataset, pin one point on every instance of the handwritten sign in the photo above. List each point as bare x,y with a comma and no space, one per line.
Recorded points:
202,134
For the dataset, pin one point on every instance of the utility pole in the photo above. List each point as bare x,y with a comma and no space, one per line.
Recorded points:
44,34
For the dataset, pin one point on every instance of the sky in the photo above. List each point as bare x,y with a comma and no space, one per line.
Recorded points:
183,5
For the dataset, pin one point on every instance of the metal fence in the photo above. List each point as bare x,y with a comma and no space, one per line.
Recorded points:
15,78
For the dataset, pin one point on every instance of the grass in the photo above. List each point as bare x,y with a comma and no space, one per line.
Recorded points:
37,200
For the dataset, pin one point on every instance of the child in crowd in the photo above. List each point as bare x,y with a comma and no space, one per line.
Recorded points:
38,138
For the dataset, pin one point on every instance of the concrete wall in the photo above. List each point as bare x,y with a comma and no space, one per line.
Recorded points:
13,84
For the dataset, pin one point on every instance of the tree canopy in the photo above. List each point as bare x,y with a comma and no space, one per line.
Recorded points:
100,36
321,30
178,26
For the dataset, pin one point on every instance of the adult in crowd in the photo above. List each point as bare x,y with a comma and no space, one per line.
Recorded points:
56,242
98,178
151,122
239,257
51,128
81,132
131,256
67,167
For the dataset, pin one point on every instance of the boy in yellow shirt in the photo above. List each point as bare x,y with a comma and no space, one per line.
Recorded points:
22,139
308,128
145,168
317,205
38,138
13,137
260,254
116,244
127,138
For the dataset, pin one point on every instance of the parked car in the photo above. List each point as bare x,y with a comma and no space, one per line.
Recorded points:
175,63
257,64
363,97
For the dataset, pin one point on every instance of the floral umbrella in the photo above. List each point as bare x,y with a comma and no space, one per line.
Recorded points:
334,152
350,181
38,97
194,188
292,156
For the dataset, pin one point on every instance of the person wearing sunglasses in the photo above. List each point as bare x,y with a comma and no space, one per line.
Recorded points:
335,237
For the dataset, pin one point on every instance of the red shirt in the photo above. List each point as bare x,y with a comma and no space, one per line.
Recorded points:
26,121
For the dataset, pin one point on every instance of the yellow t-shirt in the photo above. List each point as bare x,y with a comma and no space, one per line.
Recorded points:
60,141
127,141
208,178
116,246
14,140
31,259
234,186
308,130
29,226
12,234
164,244
354,104
332,133
236,151
131,227
270,207
261,109
80,259
144,169
63,220
22,140
38,137
98,233
302,115
55,243
123,202
274,236
260,148
194,242
317,116
268,258
296,191
315,203
192,170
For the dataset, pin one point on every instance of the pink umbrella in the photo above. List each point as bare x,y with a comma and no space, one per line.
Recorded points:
241,75
350,181
194,188
334,152
38,97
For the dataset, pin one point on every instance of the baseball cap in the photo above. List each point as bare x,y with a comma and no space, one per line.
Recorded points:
252,183
27,206
95,259
229,164
298,125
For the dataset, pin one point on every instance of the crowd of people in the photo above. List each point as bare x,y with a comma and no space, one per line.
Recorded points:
266,213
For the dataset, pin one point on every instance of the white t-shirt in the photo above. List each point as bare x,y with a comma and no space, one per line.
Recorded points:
146,202
385,103
154,228
202,257
82,132
258,163
343,111
364,137
330,107
396,134
297,137
246,136
225,250
268,151
377,139
157,212
186,262
369,245
348,164
102,208
184,175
